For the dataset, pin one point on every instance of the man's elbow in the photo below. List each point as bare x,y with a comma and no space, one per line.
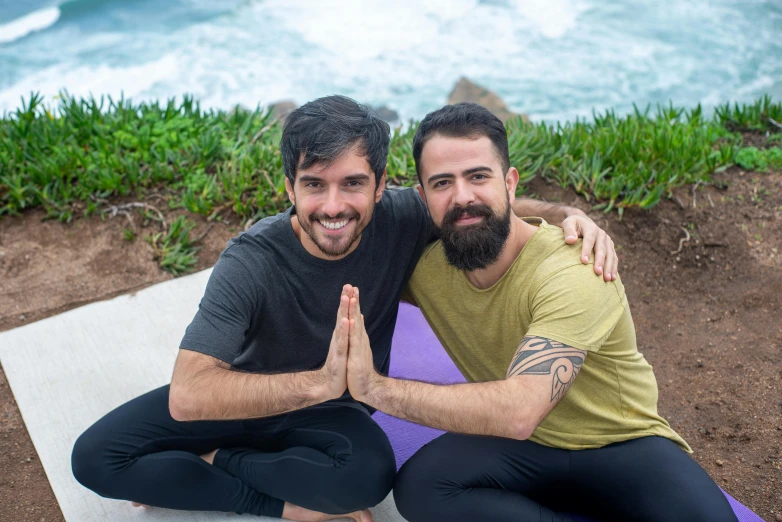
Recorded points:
181,404
521,428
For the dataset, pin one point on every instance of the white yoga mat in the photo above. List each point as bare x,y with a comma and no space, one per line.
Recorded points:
69,370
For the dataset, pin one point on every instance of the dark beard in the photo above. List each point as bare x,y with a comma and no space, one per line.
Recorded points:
474,247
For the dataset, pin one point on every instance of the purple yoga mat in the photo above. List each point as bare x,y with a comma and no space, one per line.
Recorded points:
416,353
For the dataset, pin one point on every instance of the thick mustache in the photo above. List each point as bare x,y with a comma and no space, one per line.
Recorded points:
453,215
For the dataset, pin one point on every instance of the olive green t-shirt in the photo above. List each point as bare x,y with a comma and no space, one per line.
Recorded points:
548,292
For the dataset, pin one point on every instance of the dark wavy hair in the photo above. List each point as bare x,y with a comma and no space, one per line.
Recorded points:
463,120
322,130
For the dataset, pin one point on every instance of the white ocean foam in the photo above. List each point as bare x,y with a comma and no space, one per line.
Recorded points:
554,59
553,18
137,82
35,21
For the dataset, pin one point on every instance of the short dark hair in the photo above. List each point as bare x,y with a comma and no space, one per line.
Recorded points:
463,120
322,130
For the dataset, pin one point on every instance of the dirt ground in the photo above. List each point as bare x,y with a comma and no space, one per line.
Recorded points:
703,272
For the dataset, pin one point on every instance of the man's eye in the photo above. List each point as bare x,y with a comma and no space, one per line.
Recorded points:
441,183
354,183
479,176
312,184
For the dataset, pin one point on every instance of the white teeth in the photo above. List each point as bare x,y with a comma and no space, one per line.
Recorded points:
336,225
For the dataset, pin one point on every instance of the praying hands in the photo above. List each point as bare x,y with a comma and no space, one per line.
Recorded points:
349,364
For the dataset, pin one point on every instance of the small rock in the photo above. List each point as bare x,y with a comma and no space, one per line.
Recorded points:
386,114
699,363
22,318
467,91
720,463
281,109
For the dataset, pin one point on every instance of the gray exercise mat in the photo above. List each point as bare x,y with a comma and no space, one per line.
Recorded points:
69,370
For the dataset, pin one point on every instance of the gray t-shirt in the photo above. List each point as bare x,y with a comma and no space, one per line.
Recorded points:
271,307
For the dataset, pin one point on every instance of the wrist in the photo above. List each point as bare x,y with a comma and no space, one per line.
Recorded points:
572,211
316,387
372,390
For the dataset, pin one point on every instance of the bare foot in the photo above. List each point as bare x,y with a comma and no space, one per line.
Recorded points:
300,514
209,457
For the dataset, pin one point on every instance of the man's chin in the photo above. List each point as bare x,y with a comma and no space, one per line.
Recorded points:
334,248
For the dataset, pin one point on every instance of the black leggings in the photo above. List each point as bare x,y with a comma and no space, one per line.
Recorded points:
460,477
331,458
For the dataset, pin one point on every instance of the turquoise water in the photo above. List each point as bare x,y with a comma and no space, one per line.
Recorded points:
553,59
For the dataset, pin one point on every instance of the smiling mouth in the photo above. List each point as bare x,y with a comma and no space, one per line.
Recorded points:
334,225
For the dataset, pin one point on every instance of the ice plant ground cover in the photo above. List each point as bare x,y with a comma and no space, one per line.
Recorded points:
71,156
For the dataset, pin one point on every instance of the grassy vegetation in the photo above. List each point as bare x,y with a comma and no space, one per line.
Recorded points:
71,157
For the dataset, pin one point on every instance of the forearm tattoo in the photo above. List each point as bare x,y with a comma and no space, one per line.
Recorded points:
541,356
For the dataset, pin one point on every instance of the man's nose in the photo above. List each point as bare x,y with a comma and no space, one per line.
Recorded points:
334,203
463,194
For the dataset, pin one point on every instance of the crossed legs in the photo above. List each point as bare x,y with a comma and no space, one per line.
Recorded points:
330,458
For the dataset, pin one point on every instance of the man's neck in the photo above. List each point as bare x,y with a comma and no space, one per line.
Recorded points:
520,233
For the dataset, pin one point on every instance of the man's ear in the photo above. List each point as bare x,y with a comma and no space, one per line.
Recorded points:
420,189
289,190
381,186
511,182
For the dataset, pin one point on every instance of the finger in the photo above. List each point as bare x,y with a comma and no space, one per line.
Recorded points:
615,265
358,303
600,252
570,229
344,303
608,267
342,338
364,329
586,247
342,313
354,345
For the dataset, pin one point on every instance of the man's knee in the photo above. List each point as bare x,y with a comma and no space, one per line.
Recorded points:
415,489
366,480
88,464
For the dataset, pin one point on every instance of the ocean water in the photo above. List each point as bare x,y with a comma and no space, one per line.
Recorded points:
552,59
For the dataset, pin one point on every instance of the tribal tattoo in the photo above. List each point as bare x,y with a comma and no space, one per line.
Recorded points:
541,356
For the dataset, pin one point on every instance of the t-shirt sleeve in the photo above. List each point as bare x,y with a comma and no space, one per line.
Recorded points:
407,294
577,308
230,301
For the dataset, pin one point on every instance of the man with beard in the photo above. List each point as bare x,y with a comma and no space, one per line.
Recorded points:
560,410
257,418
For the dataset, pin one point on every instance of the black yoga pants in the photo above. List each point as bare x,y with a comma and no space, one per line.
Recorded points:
470,478
331,457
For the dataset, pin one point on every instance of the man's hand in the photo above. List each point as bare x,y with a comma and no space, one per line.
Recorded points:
361,366
606,260
334,371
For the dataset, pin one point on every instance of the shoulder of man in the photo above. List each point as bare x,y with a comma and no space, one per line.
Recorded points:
401,203
547,253
267,238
